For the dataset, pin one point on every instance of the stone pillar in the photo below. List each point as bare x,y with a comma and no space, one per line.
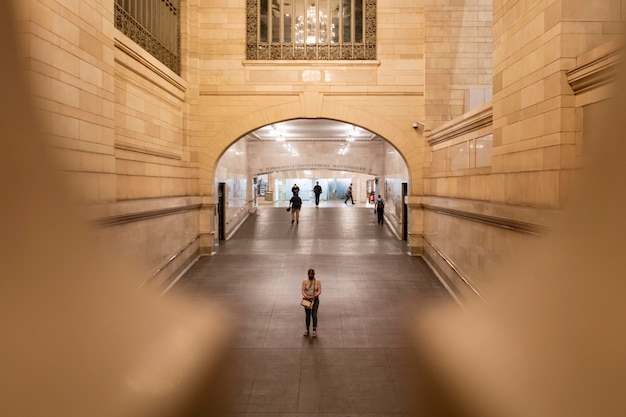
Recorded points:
534,116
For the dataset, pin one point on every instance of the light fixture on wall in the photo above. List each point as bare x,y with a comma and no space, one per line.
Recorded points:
418,126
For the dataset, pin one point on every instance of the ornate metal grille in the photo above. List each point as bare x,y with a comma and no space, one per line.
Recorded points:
311,29
154,25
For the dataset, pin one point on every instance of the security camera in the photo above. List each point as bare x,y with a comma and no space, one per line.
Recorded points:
418,125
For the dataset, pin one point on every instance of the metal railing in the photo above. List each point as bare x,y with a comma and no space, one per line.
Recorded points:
154,25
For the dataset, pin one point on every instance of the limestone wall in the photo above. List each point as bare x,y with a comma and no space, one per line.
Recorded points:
69,53
115,120
551,65
458,57
140,145
534,106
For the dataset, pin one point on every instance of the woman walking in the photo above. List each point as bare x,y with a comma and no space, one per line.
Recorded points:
311,289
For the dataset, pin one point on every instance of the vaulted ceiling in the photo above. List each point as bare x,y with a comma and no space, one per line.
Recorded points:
324,130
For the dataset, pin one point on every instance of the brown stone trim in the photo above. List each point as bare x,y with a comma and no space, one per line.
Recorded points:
513,225
129,51
595,73
248,93
376,93
470,122
142,149
310,63
143,215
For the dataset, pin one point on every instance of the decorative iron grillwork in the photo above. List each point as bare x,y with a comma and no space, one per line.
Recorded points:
163,19
281,41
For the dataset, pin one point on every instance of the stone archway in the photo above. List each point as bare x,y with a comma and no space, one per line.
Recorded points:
401,136
403,140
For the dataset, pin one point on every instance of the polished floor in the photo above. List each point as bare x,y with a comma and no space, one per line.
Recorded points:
357,366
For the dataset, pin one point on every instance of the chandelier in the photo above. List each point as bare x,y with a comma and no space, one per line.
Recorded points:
306,31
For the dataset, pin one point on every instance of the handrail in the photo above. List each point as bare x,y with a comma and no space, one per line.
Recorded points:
451,264
533,229
237,213
169,261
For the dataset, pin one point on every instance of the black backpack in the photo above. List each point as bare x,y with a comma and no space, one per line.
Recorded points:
381,204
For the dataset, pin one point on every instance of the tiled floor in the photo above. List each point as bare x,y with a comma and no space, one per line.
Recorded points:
357,365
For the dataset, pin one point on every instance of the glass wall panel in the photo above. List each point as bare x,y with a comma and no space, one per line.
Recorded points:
347,21
275,21
287,13
334,16
459,156
323,21
483,151
358,21
263,21
299,26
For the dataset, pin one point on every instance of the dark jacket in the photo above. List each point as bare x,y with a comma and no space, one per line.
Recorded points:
296,202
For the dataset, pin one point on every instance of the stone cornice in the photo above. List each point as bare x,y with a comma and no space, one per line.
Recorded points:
490,220
533,220
595,73
110,214
144,215
136,53
148,151
306,64
469,122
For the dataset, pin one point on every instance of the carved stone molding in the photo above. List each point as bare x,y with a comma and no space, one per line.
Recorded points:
469,122
595,73
148,151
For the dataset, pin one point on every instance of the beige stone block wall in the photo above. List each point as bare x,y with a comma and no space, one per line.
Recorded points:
157,237
460,157
69,54
538,129
534,118
152,159
477,250
458,55
115,120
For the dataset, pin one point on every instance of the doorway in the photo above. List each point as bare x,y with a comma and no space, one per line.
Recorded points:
221,209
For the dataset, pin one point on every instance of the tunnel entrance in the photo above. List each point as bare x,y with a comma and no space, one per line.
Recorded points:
261,167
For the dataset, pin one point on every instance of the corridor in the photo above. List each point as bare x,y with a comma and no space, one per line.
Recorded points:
357,365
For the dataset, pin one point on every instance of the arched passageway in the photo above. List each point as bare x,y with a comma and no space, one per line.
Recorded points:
260,168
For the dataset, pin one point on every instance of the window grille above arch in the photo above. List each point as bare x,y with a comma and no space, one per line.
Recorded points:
154,25
311,30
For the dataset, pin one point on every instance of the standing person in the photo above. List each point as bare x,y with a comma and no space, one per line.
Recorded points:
379,208
349,195
295,190
317,190
311,289
295,204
